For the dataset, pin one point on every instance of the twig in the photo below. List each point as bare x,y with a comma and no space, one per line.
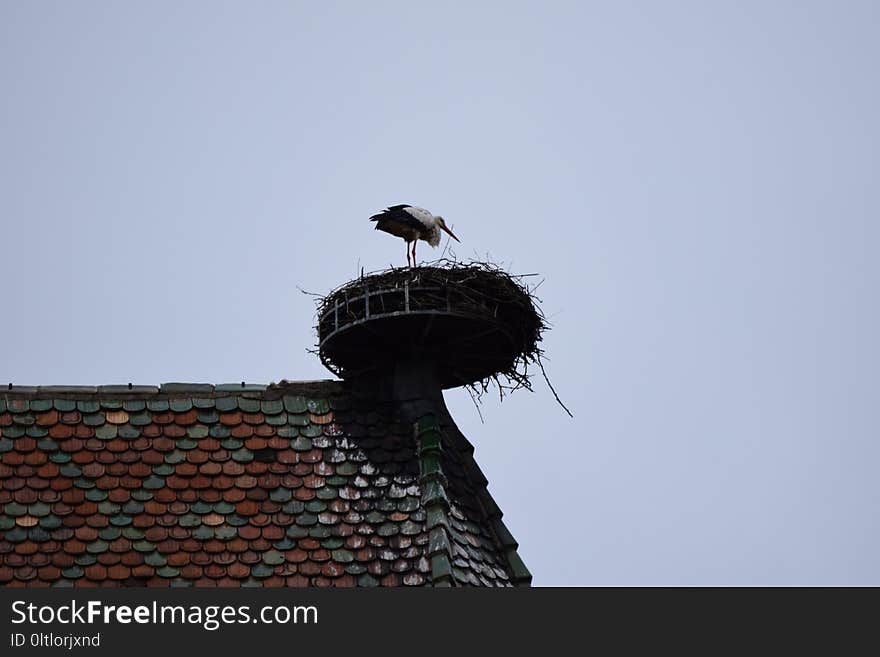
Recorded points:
311,294
476,405
552,389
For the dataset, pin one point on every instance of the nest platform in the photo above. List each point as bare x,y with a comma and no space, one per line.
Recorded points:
471,322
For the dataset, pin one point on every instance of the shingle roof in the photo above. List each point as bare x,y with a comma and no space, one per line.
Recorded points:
302,484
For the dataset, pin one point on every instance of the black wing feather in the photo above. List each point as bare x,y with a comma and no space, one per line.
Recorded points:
395,211
395,218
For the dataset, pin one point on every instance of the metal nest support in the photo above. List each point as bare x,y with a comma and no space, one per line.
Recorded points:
477,324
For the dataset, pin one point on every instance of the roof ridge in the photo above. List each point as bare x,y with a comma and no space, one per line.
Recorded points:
521,576
170,388
433,482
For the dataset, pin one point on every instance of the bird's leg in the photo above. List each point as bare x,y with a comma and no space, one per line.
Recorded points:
408,264
414,252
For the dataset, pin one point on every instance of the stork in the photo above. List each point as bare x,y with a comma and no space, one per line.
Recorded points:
412,224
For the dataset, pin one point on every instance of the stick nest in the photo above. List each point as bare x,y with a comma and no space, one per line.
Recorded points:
478,286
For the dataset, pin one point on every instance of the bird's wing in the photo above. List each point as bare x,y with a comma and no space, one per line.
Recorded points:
399,220
424,217
392,210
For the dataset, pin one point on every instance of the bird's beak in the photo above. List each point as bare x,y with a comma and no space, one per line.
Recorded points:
451,234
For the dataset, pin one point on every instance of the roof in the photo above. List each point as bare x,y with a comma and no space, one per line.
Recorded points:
301,484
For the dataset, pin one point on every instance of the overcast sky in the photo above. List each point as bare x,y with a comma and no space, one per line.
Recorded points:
696,181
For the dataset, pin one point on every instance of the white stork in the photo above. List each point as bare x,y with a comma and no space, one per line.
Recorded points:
412,224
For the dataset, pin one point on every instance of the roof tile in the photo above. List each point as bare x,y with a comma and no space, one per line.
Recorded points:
192,485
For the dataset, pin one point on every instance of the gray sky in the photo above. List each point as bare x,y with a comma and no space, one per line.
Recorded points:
697,182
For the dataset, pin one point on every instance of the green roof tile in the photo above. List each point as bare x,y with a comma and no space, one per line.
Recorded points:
355,568
38,535
189,520
40,405
35,431
272,406
262,570
310,430
248,405
276,420
109,533
15,509
226,404
175,457
50,522
88,406
47,445
203,533
181,405
294,507
298,420
367,580
93,419
327,493
155,559
73,572
320,531
224,508
154,483
208,417
243,455
219,431
301,444
280,495
167,571
197,431
200,508
140,419
295,531
273,558
128,432
38,509
133,508
107,431
158,405
342,556
295,404
315,506
225,532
